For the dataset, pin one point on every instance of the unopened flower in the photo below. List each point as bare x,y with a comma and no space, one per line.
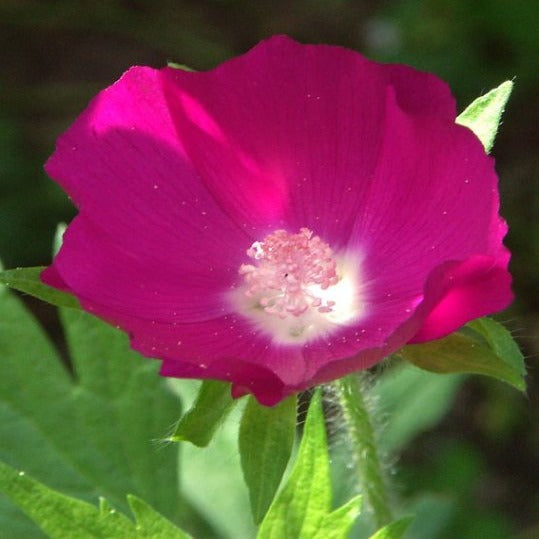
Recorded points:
293,215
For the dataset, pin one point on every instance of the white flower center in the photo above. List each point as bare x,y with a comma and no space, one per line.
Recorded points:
296,289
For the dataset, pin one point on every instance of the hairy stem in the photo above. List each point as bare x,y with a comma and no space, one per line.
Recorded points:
368,463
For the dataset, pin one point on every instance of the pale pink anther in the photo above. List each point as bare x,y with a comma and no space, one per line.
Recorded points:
290,269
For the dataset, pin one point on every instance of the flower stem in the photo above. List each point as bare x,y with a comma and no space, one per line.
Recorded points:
368,463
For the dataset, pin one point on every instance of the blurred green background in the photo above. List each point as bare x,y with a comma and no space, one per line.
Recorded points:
480,464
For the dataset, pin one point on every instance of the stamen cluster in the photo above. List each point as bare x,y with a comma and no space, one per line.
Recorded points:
290,272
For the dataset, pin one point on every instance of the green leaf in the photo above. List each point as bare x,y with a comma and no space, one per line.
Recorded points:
266,439
58,238
58,515
402,392
395,530
213,403
151,524
104,505
502,344
337,524
64,517
481,347
305,500
96,431
212,478
27,280
484,114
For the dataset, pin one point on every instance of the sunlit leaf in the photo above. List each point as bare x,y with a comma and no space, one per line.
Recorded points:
65,517
303,506
60,516
481,347
306,498
337,524
266,439
213,403
96,432
484,114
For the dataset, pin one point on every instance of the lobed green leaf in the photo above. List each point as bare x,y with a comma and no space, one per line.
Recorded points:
484,114
266,439
61,516
94,431
64,517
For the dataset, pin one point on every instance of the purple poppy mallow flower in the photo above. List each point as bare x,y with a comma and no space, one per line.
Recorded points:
293,215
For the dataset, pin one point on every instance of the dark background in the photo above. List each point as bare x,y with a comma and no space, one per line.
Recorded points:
55,55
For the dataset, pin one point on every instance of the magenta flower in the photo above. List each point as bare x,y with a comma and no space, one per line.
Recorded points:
293,215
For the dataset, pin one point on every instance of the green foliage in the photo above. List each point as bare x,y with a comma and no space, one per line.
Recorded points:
395,530
93,432
335,525
60,516
212,405
152,525
303,507
64,517
266,439
482,347
413,401
484,114
495,39
212,480
27,280
441,492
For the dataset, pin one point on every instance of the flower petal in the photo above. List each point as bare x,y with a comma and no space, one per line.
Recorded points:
95,266
282,136
458,292
432,199
176,173
143,211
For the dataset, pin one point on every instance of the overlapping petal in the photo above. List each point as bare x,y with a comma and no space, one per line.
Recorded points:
176,173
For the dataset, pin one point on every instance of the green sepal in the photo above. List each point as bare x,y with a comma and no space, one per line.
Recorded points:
395,530
27,280
303,506
266,440
483,346
212,404
483,115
